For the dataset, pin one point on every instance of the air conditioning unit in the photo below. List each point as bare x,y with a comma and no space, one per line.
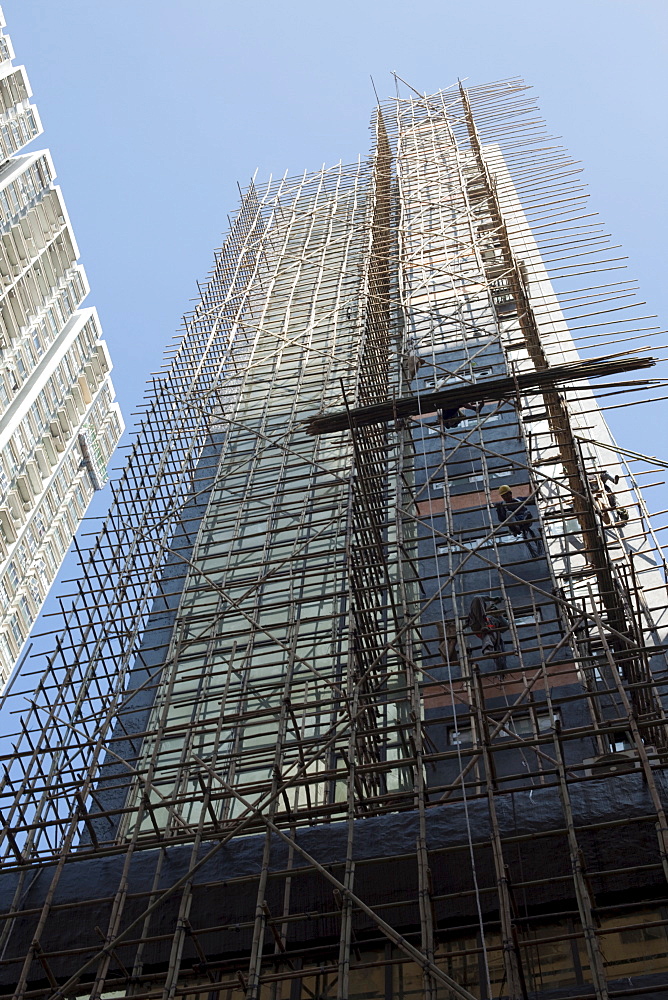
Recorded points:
92,377
89,463
15,504
103,357
24,490
10,249
71,410
78,400
57,435
84,389
49,451
42,462
47,204
34,475
612,763
7,524
64,421
26,228
21,248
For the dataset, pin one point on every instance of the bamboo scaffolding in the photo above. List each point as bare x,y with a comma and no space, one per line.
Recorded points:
268,641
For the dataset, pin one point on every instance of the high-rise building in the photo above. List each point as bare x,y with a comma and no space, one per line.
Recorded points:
58,422
362,691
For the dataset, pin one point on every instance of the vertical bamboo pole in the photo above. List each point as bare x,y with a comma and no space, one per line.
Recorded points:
511,954
584,901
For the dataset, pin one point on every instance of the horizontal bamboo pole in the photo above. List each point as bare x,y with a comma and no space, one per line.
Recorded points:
486,390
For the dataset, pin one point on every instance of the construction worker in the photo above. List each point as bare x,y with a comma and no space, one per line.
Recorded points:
603,477
486,621
514,511
453,416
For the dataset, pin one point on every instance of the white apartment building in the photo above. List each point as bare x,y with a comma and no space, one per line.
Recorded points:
59,423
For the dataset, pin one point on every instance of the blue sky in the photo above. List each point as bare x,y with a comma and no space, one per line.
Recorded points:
154,109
